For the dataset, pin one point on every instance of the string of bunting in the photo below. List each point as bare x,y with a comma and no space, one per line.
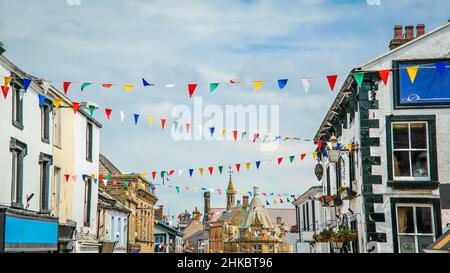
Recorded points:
212,86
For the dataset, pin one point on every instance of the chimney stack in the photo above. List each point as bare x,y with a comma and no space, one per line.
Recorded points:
207,210
245,202
401,38
420,30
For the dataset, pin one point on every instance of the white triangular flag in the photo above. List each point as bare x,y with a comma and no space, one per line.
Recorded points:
122,116
105,182
180,172
306,84
45,86
170,85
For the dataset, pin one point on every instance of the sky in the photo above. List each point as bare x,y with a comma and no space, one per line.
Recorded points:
200,42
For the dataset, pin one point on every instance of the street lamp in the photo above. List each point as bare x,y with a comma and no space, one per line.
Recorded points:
333,155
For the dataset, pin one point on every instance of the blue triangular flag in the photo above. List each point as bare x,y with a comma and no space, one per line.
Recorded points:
26,84
95,180
250,193
146,83
191,171
211,130
204,189
41,100
282,83
257,164
325,153
136,117
440,67
267,203
338,146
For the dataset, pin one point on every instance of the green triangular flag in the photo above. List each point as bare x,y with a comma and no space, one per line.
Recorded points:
213,86
359,78
287,199
84,85
291,158
108,176
178,189
91,109
125,183
175,123
220,169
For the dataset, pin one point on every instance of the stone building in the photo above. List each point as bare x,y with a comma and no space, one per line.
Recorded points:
137,194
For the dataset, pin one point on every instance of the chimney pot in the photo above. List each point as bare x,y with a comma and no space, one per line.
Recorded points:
398,32
409,32
420,30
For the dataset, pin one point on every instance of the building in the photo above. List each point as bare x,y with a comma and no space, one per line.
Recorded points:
137,194
112,224
388,185
167,239
26,164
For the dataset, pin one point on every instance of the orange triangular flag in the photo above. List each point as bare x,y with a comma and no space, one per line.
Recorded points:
75,106
5,90
163,123
201,171
7,80
349,146
235,135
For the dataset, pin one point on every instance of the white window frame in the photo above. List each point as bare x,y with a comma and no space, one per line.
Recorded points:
415,234
409,150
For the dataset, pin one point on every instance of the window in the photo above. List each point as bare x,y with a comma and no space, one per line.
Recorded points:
56,190
410,151
351,163
57,130
17,105
271,249
304,217
45,162
243,248
257,248
415,227
328,181
45,121
313,212
18,152
112,235
307,215
87,200
160,239
89,141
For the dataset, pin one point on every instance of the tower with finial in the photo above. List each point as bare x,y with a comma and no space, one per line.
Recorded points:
231,195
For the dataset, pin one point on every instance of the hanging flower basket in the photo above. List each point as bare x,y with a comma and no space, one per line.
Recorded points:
343,234
323,237
335,201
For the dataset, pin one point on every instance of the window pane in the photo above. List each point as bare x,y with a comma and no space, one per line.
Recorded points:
418,135
405,220
400,135
424,241
424,221
401,164
419,164
407,244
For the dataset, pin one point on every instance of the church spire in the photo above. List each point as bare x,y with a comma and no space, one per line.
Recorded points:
231,195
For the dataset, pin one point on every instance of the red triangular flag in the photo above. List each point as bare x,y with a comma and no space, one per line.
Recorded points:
191,88
188,125
153,175
302,156
332,81
66,86
171,172
75,106
319,145
163,123
5,90
67,176
235,135
281,201
107,85
210,170
255,137
108,112
100,177
238,166
384,74
231,82
279,160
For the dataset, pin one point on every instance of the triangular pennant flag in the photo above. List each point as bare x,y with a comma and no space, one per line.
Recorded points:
188,125
108,112
267,203
26,83
257,164
314,154
274,201
306,84
302,156
281,201
45,86
153,175
41,100
74,177
359,76
7,80
191,171
91,109
255,137
238,166
5,90
235,135
75,106
412,72
175,124
440,67
291,158
384,75
257,85
243,135
128,87
220,169
247,165
201,171
213,86
84,85
122,116
191,89
211,131
280,159
67,176
107,85
180,172
66,86
282,83
332,81
210,169
146,83
163,123
170,85
136,118
349,147
57,103
150,120
223,131
178,189
171,172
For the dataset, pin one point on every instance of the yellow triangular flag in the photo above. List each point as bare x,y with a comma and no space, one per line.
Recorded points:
127,87
247,165
314,155
257,85
201,171
223,131
143,175
274,201
7,80
150,120
412,72
195,189
57,103
349,146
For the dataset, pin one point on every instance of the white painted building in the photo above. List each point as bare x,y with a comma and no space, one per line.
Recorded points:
398,165
167,239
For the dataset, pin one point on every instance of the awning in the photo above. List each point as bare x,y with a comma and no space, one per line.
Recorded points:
441,245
